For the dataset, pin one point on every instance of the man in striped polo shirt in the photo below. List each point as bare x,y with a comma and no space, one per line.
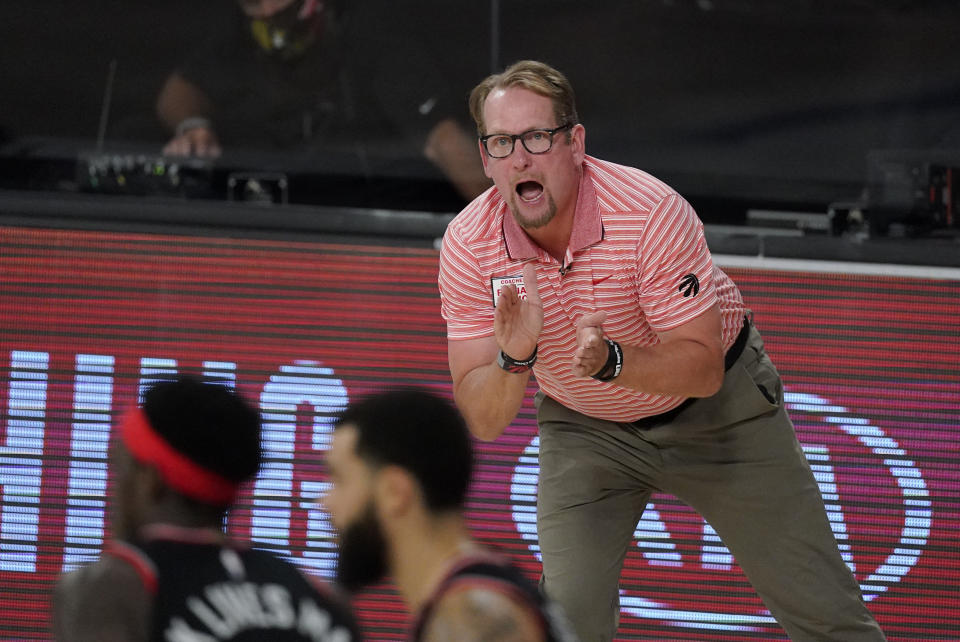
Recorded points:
598,279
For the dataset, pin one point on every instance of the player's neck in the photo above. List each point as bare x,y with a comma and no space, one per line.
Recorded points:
174,516
178,532
422,556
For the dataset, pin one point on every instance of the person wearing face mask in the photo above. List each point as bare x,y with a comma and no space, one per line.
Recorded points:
596,278
305,75
399,466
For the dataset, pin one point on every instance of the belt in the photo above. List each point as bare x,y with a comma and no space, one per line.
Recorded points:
728,360
738,345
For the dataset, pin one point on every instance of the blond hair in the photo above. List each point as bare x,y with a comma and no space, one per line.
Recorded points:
535,76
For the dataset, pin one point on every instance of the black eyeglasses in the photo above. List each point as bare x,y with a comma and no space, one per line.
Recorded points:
535,141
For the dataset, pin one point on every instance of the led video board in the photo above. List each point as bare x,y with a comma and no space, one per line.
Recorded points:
89,318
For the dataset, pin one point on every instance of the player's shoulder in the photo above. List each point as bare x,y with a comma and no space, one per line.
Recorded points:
107,595
124,567
475,610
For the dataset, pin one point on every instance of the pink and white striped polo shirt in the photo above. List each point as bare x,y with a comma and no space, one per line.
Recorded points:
637,252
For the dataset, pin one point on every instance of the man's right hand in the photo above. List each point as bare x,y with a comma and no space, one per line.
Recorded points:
199,141
517,322
489,397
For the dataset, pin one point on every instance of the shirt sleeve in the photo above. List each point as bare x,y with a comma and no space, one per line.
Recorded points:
675,269
466,301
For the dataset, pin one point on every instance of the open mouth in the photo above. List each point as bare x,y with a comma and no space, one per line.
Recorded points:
529,191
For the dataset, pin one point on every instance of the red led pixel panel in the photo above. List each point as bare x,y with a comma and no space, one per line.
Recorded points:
88,319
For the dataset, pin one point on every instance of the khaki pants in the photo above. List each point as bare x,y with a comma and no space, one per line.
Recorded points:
732,457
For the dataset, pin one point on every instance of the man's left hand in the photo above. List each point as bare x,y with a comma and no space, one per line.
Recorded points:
592,351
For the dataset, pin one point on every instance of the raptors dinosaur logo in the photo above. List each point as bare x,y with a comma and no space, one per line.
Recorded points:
689,285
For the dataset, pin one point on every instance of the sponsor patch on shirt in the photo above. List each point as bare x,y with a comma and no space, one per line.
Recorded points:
497,284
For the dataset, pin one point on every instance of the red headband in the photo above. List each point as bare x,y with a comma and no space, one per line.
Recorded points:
176,470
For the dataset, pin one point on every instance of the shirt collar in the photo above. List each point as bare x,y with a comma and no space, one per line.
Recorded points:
587,226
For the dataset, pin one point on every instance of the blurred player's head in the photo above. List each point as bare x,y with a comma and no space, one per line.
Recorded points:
394,455
189,447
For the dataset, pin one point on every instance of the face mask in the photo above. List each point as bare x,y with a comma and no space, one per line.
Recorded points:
288,33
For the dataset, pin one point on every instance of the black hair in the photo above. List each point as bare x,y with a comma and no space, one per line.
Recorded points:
422,433
208,423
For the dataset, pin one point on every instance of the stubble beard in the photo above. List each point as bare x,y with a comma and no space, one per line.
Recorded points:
538,222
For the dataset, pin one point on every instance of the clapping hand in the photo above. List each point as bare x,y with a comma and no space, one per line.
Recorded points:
592,350
517,322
